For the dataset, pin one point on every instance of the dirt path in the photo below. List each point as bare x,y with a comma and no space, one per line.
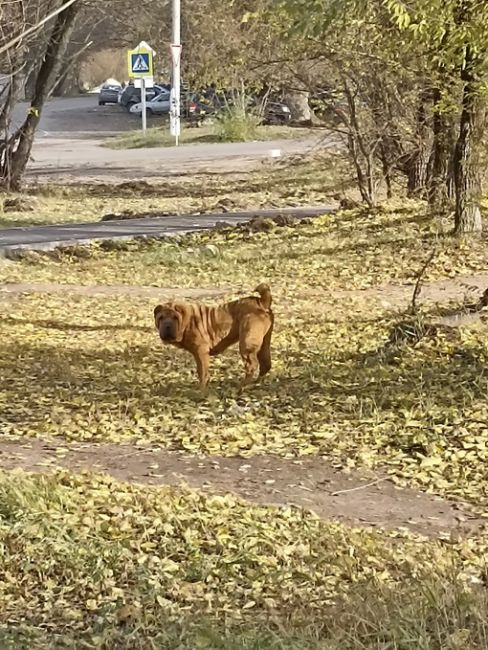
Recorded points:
357,498
441,291
389,295
109,290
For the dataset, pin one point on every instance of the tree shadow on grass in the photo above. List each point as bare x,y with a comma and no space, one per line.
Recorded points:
68,391
61,326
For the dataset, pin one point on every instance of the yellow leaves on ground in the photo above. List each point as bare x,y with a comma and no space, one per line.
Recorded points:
306,181
93,369
87,553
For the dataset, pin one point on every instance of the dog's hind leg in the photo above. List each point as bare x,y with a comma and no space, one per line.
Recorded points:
222,345
249,347
264,354
251,364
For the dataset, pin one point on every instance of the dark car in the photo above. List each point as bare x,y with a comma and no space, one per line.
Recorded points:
276,112
109,94
195,107
132,95
198,106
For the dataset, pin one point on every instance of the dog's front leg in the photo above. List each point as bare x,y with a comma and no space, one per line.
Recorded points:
203,362
222,345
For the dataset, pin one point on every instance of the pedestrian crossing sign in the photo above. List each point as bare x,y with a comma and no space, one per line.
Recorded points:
140,62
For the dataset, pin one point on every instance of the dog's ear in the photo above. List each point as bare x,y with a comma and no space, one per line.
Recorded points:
181,309
157,310
185,313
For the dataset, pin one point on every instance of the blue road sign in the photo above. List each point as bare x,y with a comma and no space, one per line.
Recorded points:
140,63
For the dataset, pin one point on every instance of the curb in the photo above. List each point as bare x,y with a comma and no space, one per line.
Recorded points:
46,238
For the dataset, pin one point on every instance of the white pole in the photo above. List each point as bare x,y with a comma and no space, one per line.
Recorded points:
143,99
176,76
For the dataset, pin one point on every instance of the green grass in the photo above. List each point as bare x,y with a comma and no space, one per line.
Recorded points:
88,562
237,124
221,131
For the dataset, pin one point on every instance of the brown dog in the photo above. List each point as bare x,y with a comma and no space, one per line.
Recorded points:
208,331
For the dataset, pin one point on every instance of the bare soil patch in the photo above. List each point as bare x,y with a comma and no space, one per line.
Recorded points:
400,295
108,290
358,498
389,295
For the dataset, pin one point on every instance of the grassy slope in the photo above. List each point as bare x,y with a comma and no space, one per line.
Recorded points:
97,371
89,562
160,136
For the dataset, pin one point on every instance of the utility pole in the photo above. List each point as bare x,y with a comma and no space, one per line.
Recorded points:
175,113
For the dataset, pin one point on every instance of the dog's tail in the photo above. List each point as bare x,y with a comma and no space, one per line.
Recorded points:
264,295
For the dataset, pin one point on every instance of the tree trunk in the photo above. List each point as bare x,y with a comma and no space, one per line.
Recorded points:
467,181
450,184
386,169
364,178
297,102
438,194
417,175
381,111
360,150
19,146
419,159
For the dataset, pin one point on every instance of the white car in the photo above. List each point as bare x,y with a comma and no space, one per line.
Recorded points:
157,106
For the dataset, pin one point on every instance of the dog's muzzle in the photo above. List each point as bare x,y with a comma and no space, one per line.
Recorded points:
167,331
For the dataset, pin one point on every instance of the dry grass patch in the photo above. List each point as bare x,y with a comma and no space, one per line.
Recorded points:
290,182
92,563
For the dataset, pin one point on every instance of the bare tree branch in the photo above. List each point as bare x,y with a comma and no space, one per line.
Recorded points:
20,37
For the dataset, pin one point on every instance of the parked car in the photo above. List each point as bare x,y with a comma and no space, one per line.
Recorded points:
132,95
270,110
109,94
330,105
158,105
276,112
191,106
195,107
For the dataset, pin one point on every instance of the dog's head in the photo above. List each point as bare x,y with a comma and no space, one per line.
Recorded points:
171,320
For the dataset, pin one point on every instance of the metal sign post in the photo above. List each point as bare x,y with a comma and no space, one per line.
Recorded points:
140,68
175,112
143,99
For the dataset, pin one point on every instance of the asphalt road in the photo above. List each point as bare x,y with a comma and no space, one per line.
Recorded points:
72,130
78,116
87,159
39,238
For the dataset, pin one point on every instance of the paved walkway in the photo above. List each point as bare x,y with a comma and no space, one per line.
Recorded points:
40,238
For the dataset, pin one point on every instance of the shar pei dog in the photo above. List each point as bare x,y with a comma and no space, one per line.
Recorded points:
207,331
